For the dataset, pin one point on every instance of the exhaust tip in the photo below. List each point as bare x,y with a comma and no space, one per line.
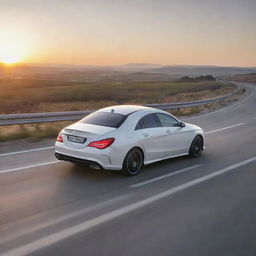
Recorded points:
95,166
58,156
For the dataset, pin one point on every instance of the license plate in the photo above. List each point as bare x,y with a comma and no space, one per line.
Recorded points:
76,139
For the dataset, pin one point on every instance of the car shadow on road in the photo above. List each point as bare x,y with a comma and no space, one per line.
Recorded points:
148,171
83,171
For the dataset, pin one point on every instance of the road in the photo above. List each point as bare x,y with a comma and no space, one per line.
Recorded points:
183,206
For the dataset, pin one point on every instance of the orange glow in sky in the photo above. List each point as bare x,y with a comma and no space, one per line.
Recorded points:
194,32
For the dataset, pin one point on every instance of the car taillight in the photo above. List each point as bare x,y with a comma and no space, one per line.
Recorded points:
101,144
59,138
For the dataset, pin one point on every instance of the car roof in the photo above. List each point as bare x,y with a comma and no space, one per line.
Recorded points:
124,109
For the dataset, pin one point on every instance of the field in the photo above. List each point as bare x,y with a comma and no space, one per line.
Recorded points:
27,90
33,95
251,78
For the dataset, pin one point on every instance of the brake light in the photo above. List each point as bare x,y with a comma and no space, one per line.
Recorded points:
59,138
101,144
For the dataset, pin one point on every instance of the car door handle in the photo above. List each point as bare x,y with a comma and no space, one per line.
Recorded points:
168,131
145,134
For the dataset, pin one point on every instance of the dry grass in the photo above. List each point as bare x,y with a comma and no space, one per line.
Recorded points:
251,78
18,97
208,107
33,132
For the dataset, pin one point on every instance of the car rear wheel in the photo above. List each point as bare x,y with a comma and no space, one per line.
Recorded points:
133,162
196,147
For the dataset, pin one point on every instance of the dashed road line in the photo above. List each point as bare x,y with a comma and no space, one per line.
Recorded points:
224,128
136,185
61,219
25,151
28,167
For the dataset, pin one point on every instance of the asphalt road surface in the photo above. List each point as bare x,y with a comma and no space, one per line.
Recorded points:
193,207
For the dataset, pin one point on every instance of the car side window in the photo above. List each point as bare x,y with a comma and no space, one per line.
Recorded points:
139,125
148,121
167,121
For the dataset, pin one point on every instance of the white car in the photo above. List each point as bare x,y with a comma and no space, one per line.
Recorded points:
126,137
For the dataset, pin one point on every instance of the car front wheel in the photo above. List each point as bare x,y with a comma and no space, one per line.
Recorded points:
196,147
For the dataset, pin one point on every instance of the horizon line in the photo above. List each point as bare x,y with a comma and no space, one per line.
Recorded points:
120,65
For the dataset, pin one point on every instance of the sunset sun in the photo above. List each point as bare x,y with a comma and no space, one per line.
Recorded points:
11,54
9,59
13,48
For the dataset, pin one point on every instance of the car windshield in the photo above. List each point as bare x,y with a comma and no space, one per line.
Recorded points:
104,119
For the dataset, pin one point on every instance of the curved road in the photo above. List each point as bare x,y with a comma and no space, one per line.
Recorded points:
183,206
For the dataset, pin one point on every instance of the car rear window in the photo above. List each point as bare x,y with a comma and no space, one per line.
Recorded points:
104,119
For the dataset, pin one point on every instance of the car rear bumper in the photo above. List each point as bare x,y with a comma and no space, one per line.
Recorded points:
86,156
92,164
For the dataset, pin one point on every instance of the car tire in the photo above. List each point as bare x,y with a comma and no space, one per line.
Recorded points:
196,147
133,162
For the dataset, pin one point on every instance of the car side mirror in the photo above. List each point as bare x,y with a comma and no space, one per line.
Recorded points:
181,124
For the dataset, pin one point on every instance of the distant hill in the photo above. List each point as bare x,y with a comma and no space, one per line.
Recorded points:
136,67
144,76
201,70
129,71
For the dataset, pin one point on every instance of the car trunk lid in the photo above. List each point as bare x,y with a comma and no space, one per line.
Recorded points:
79,135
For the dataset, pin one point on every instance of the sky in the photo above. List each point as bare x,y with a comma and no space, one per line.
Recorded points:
111,32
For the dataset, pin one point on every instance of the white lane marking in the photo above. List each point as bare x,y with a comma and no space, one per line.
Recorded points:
60,219
61,235
27,167
25,151
136,185
224,128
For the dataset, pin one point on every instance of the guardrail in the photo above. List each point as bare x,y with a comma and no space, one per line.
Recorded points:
15,119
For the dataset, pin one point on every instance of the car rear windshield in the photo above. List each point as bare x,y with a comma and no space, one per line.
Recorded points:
104,119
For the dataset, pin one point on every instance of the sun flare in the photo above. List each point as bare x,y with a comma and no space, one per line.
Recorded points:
9,59
13,48
11,54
